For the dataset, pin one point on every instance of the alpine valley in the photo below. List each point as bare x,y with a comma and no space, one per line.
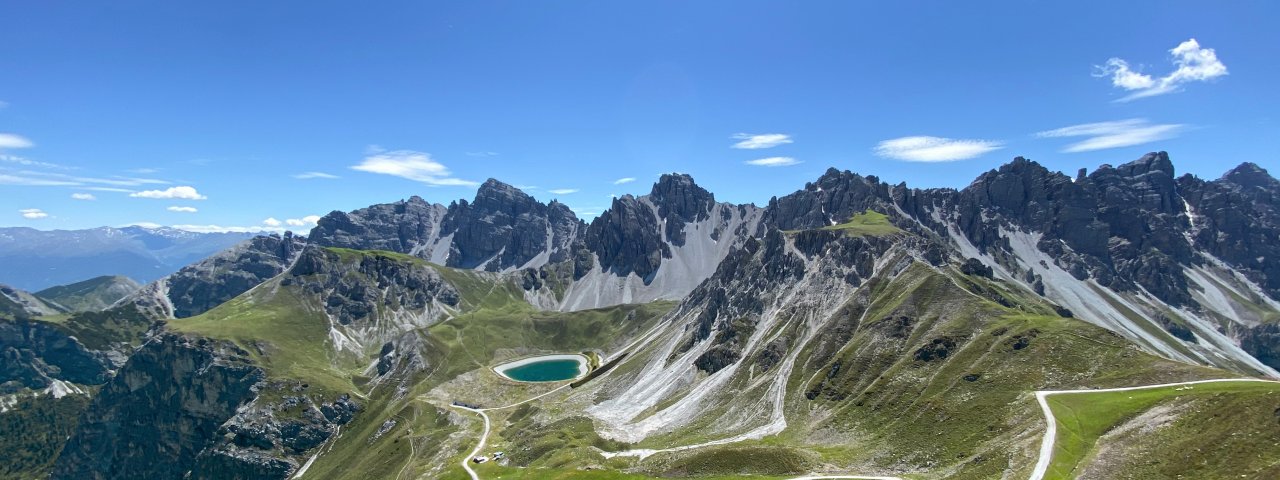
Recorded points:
852,329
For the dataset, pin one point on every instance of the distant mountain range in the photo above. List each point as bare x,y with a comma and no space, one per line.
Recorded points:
33,259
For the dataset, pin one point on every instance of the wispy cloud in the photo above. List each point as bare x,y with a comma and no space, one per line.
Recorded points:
7,179
83,196
311,175
10,140
1193,64
33,213
408,164
482,154
183,192
182,209
623,180
3,104
751,141
1115,134
935,149
773,162
26,162
563,191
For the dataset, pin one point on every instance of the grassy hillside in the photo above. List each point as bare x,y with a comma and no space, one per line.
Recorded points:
1208,429
90,295
288,334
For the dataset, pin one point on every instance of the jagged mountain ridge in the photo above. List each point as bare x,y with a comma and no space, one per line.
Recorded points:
1169,262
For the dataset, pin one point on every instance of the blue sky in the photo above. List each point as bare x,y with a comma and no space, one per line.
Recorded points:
206,115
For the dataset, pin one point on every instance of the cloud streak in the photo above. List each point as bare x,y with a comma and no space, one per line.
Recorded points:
182,209
773,162
1114,134
935,149
1192,63
11,140
182,193
83,196
563,191
751,141
311,175
411,165
623,180
33,213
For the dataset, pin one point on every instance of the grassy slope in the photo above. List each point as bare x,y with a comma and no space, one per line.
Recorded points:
882,410
870,222
1084,417
289,338
969,415
93,294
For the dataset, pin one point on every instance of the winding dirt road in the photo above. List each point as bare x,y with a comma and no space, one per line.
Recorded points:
1051,422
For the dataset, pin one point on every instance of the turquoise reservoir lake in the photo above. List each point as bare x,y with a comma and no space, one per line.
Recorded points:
548,370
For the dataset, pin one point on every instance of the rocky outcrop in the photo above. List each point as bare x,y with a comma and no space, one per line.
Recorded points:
263,439
354,289
1237,219
397,227
626,238
680,201
163,408
33,354
197,288
505,228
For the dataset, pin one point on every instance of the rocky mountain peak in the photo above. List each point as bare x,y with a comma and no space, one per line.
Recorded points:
680,201
494,195
1250,175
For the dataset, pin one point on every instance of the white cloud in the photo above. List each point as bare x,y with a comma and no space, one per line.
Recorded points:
773,162
302,222
751,141
183,192
417,166
151,225
310,175
623,180
109,189
1194,64
143,171
482,154
1115,134
935,149
182,209
83,196
271,222
9,140
33,213
563,191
